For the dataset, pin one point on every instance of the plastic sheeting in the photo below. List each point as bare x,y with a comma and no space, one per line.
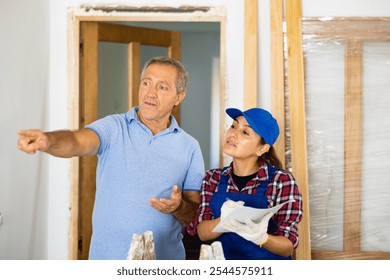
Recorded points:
325,141
325,125
376,148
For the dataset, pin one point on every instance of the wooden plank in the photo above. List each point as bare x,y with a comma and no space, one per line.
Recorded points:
126,8
126,34
277,75
341,255
73,119
134,73
88,114
174,51
352,146
250,55
89,72
174,48
296,99
344,28
216,13
222,96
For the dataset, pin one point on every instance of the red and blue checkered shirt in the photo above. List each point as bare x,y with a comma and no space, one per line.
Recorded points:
282,187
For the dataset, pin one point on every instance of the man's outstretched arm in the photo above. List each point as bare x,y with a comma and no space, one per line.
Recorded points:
62,143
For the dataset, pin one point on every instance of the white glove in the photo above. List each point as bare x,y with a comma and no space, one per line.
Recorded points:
228,206
251,231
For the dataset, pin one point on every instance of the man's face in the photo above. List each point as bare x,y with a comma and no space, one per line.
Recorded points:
157,92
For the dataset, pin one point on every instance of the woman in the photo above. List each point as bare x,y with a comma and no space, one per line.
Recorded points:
255,178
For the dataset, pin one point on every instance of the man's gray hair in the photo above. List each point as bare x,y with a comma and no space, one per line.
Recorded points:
182,74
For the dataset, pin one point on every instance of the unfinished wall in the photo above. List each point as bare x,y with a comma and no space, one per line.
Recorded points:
34,190
58,89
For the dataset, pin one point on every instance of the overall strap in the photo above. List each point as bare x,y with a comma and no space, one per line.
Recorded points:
223,181
271,170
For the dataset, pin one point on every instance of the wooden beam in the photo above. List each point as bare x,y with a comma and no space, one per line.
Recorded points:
174,48
88,114
342,255
73,119
126,34
174,51
89,66
296,93
277,75
125,8
134,66
352,146
250,54
222,89
374,29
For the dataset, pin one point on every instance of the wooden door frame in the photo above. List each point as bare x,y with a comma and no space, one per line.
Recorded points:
92,33
78,15
354,32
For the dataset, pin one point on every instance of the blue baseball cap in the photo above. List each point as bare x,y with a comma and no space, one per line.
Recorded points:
260,120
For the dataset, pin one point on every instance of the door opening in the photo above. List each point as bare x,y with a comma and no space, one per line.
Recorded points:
87,107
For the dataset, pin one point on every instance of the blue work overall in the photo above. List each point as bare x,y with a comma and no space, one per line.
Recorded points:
234,246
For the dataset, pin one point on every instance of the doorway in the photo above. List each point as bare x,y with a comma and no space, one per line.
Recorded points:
80,228
200,54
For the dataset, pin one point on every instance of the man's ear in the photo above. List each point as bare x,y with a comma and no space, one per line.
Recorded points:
180,97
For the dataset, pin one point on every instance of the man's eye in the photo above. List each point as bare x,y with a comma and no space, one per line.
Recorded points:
163,87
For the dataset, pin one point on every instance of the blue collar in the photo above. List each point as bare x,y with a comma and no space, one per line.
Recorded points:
132,116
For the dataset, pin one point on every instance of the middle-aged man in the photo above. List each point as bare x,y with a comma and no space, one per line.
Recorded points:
149,170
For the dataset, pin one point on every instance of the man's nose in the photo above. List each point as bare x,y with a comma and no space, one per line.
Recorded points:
152,91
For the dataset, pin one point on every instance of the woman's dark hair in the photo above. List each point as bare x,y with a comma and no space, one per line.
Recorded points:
271,156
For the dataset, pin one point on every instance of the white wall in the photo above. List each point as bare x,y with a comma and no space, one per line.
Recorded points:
24,57
34,190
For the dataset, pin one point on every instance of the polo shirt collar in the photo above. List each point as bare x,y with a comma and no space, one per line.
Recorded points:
132,116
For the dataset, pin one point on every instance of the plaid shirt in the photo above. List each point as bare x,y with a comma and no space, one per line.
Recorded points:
281,188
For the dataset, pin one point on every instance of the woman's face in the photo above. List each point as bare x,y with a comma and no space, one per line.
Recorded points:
242,141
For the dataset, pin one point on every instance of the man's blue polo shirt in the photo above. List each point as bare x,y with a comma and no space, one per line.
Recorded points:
133,166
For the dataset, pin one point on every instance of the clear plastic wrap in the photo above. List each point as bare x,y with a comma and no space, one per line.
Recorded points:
328,119
324,85
376,148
